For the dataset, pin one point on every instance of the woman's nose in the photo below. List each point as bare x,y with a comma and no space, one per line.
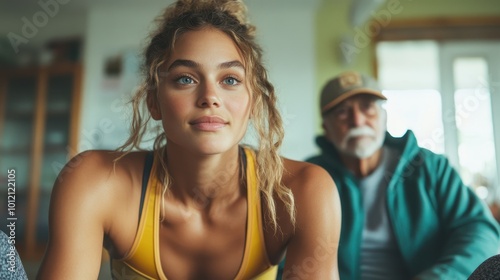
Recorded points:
208,96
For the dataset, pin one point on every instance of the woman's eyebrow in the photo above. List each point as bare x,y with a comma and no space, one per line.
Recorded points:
230,64
193,64
183,62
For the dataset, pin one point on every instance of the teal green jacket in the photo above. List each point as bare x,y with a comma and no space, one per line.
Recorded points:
444,231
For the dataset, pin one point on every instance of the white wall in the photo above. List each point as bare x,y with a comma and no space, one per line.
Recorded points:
111,30
286,33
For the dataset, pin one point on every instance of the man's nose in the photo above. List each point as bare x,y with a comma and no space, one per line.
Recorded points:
358,117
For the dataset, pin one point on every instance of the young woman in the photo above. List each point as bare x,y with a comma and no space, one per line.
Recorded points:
199,206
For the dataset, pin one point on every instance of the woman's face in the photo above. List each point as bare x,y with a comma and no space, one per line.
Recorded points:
203,100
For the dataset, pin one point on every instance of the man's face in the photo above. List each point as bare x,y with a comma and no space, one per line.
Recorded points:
356,126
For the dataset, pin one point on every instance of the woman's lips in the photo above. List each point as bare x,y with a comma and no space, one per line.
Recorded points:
209,123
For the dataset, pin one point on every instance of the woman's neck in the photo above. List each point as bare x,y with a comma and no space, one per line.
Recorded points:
201,180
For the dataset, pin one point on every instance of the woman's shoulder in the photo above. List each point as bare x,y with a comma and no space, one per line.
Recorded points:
101,163
301,176
312,188
98,183
97,172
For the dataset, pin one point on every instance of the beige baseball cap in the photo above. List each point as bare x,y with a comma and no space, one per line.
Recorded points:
346,85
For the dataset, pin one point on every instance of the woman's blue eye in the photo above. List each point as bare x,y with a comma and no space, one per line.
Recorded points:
230,81
185,80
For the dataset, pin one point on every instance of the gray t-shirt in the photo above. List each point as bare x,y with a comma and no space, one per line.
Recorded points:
380,255
10,263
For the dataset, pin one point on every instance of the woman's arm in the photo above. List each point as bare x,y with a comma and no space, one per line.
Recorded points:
77,213
312,250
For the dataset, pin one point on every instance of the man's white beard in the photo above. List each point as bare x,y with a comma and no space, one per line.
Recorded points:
365,147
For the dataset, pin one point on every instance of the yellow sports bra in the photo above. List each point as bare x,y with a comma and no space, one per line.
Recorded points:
143,259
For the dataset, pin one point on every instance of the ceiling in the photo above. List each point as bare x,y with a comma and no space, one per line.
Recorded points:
31,6
16,6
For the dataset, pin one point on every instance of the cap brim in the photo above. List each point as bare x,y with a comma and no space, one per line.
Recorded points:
351,93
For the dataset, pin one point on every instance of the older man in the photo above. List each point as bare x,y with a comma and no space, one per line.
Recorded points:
406,214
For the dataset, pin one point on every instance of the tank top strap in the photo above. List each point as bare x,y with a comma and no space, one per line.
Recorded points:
148,163
255,258
143,253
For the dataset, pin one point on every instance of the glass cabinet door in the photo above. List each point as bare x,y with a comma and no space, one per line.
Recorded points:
55,144
16,133
38,127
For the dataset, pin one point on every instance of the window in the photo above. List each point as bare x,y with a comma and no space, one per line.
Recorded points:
442,92
473,118
409,75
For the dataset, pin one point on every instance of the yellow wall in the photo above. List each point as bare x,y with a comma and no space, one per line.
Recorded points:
332,24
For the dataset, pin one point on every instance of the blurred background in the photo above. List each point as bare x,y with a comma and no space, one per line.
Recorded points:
68,67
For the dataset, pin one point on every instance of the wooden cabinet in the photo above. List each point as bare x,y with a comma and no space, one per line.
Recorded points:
39,110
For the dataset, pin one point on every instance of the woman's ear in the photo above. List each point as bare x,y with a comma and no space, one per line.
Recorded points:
152,102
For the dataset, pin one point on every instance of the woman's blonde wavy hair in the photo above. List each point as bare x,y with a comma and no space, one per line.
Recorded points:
228,16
